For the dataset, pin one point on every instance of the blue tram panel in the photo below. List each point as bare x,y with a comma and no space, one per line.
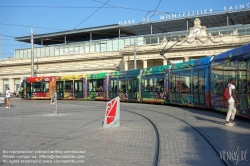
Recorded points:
234,63
189,83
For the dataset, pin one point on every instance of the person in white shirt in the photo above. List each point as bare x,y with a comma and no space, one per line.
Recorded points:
7,96
232,102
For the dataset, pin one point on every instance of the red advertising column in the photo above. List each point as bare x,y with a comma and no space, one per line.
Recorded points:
112,113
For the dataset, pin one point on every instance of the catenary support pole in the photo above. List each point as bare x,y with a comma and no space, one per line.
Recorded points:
135,54
32,53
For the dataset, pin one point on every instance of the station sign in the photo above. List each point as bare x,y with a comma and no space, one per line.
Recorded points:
188,13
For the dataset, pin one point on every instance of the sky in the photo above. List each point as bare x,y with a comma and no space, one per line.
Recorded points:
17,17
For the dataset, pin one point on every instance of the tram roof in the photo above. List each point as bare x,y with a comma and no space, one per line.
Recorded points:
163,26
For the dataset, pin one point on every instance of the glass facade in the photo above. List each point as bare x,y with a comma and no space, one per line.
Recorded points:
119,43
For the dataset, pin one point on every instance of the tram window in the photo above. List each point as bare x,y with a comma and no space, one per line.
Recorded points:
148,83
45,87
177,82
229,72
218,79
201,81
122,86
159,83
195,81
68,85
185,82
78,86
173,81
96,85
75,87
59,86
40,87
134,88
130,85
241,77
113,85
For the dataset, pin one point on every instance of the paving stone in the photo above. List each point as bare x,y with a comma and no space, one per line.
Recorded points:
30,125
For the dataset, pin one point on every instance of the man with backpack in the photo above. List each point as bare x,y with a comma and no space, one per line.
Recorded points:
230,96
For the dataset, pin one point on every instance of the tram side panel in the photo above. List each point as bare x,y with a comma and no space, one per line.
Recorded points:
231,64
64,86
125,84
37,87
154,84
190,84
97,86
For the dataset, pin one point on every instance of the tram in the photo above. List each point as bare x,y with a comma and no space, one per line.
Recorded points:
195,83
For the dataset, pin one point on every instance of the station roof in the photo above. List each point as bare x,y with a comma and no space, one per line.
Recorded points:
163,26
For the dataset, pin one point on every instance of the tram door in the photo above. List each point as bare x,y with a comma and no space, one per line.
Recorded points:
78,90
241,86
59,89
248,85
113,88
175,88
199,87
132,88
28,89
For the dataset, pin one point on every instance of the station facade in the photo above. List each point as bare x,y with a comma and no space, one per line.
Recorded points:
119,47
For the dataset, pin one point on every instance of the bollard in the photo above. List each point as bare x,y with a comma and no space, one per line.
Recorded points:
55,106
54,102
112,113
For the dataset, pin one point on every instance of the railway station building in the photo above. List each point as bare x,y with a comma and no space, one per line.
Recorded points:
127,45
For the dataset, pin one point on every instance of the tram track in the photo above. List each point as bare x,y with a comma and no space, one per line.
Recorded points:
156,158
209,141
157,138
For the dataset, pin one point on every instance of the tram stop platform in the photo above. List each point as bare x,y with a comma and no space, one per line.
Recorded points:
30,134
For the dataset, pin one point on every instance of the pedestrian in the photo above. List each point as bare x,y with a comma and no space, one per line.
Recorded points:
232,102
7,96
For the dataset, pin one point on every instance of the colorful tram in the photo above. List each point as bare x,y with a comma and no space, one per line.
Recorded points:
196,83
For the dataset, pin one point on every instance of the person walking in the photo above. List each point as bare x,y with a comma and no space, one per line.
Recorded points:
7,95
232,102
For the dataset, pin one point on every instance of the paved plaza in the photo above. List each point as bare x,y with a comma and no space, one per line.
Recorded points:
30,134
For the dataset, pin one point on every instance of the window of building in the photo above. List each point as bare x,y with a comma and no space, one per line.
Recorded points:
16,84
5,84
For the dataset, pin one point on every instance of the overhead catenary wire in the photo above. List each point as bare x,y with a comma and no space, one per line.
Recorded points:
157,6
7,36
30,26
91,14
76,7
